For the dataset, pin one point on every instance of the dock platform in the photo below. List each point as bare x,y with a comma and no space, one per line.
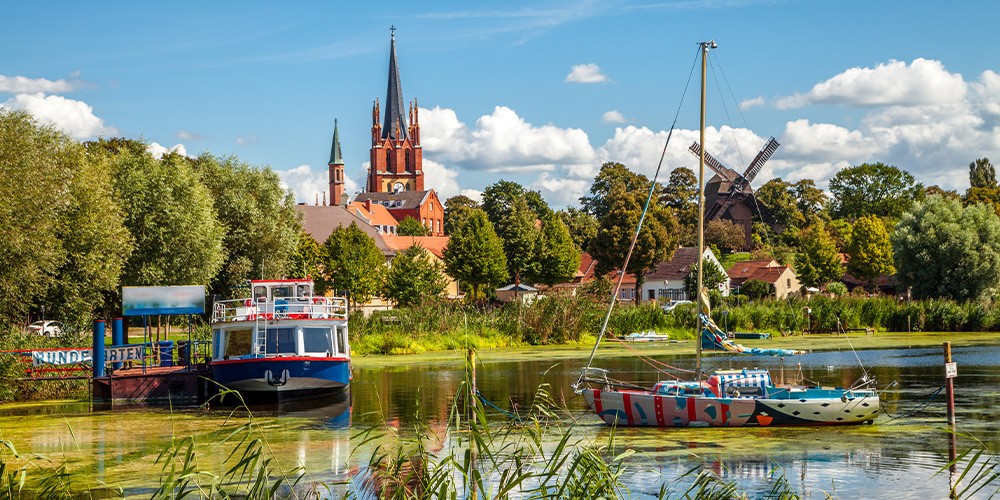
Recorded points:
156,385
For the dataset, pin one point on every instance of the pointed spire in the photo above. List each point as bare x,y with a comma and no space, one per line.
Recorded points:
335,157
393,97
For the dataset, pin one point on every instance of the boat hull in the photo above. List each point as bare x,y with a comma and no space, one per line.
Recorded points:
792,408
276,379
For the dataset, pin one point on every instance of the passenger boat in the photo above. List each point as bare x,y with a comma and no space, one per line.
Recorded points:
281,343
724,398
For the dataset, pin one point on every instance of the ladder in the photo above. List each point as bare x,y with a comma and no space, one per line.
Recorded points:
260,331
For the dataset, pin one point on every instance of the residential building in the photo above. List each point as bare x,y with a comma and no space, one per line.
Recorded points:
667,281
424,206
435,246
769,271
376,215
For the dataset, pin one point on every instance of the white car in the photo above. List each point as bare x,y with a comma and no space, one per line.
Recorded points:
47,328
669,306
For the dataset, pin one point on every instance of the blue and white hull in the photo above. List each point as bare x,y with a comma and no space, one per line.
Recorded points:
283,378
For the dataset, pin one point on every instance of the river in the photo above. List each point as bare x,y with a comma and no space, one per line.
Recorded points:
898,457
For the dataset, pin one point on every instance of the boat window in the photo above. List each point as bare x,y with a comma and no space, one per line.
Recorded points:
280,341
300,291
317,340
237,342
260,293
281,292
342,340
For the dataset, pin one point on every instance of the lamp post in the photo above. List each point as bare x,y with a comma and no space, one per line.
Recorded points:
725,320
808,318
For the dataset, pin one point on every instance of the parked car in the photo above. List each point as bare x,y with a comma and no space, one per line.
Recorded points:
669,306
47,328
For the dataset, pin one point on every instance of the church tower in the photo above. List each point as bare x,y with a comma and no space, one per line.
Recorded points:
336,174
396,155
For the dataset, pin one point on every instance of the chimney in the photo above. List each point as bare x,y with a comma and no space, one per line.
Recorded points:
324,198
317,199
368,205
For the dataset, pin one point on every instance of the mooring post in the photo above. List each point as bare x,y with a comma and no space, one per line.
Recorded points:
117,338
97,353
950,372
473,392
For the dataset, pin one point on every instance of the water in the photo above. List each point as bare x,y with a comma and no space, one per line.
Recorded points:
896,458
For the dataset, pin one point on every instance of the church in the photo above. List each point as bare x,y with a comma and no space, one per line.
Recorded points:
395,175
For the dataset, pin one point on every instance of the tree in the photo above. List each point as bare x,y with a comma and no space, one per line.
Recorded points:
622,207
558,258
936,190
615,176
779,197
474,254
261,224
308,259
982,174
520,237
725,234
582,226
757,289
711,276
457,210
499,197
352,263
811,200
681,195
945,250
170,214
413,277
411,227
817,261
870,250
873,189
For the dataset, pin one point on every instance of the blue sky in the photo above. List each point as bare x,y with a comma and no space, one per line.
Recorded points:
536,92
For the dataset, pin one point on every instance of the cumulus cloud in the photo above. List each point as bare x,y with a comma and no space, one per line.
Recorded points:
25,85
187,135
441,179
158,150
76,118
473,194
560,191
924,81
586,73
309,184
613,116
756,102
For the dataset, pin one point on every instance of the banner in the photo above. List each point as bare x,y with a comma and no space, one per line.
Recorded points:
153,300
75,356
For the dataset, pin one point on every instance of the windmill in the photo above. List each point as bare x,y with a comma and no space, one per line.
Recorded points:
728,195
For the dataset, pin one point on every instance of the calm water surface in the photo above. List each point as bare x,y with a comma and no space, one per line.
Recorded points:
896,458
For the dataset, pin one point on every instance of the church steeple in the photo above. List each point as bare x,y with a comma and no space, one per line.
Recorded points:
395,124
336,172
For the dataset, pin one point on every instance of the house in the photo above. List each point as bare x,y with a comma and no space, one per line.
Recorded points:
769,271
320,221
667,281
376,215
584,274
424,206
519,292
435,246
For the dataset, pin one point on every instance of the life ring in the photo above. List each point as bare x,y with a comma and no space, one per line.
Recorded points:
248,302
318,300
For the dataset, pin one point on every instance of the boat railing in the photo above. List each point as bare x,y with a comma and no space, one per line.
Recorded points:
312,307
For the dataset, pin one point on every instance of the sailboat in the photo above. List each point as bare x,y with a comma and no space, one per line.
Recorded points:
722,398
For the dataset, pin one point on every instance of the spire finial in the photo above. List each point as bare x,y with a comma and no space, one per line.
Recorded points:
392,30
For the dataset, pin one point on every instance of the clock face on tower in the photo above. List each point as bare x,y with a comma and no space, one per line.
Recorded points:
398,186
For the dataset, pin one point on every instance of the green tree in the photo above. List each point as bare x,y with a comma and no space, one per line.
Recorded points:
724,234
308,259
779,197
413,277
873,189
936,190
582,226
945,250
870,250
499,198
457,210
711,276
615,176
757,289
352,263
558,258
261,224
520,237
982,174
817,260
411,227
681,195
811,200
170,214
474,254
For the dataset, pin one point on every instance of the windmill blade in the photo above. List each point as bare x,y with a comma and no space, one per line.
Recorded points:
716,166
760,160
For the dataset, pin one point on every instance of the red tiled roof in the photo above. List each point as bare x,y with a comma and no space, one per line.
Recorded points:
768,271
378,215
433,244
677,268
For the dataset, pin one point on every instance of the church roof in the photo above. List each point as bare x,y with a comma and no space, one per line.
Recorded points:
335,156
395,115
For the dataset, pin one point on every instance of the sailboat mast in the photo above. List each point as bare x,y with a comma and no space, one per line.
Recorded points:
701,206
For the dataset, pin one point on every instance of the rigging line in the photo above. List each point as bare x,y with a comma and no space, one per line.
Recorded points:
642,218
651,361
725,109
841,328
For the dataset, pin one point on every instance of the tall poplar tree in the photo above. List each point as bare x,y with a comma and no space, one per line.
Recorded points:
817,261
474,254
870,250
558,258
352,263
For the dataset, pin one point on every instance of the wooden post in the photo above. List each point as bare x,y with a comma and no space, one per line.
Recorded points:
949,385
473,393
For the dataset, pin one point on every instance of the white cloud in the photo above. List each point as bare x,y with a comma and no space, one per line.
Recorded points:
247,140
25,85
924,81
187,135
560,191
501,142
441,179
473,194
76,118
309,184
158,150
756,102
586,73
613,116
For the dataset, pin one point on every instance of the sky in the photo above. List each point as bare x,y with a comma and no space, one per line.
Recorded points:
537,92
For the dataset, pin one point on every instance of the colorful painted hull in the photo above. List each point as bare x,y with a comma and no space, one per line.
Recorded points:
270,379
782,407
